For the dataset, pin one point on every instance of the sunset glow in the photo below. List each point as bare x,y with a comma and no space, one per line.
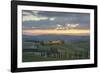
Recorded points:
77,32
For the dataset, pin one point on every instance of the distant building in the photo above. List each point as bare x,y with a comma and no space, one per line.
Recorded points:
57,42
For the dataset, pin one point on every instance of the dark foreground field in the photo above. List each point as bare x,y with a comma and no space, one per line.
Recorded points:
56,50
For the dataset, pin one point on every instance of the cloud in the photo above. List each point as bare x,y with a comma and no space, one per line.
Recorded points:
26,13
34,18
52,18
49,19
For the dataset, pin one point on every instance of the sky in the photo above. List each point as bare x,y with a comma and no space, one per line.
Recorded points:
47,19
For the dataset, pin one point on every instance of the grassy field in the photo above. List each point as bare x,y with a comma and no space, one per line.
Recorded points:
66,51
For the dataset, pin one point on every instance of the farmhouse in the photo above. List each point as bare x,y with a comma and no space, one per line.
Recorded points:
54,42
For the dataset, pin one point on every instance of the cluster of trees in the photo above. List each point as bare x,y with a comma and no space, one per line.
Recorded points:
66,54
54,42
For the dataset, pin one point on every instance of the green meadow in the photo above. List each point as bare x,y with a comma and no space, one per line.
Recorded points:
57,51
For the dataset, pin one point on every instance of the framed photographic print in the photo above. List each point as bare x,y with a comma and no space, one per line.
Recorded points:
51,36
